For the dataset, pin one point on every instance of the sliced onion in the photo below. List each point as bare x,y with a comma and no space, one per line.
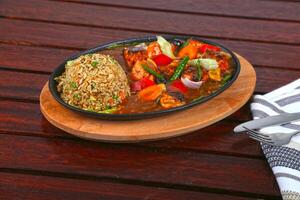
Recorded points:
165,47
206,63
191,84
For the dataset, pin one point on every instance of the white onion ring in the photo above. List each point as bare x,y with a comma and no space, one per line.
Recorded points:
191,84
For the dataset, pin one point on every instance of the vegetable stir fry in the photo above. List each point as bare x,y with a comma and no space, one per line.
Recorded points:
170,74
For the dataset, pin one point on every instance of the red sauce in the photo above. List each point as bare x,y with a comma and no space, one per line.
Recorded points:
134,105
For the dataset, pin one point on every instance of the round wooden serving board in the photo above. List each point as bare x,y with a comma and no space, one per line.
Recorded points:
173,124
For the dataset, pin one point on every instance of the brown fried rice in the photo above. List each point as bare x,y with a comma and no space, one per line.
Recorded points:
94,82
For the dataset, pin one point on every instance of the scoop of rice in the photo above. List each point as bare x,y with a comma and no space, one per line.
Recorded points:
94,82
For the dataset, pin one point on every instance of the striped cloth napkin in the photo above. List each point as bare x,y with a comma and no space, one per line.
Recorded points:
284,160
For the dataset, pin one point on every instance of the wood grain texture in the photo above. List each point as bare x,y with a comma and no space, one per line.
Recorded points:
257,55
35,187
41,33
120,18
183,122
78,37
21,85
41,59
235,8
124,162
26,119
40,161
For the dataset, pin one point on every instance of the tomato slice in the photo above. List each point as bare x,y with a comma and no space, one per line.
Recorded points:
162,60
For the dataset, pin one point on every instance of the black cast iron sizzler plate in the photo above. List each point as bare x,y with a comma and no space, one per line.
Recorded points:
61,68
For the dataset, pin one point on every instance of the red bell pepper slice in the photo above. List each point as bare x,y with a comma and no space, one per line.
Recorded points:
205,47
141,84
178,85
162,60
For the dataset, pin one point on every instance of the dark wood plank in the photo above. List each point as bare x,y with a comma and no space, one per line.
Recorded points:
49,34
33,58
35,187
26,118
154,21
217,139
237,8
153,165
54,35
20,85
269,79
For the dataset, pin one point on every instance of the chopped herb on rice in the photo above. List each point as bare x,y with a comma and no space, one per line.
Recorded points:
92,81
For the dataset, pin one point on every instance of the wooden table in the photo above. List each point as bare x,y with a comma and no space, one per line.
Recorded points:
39,161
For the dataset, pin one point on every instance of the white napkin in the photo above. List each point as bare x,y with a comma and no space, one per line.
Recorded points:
284,160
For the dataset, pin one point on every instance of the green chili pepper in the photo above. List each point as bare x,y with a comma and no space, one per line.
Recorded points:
199,70
154,73
180,68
